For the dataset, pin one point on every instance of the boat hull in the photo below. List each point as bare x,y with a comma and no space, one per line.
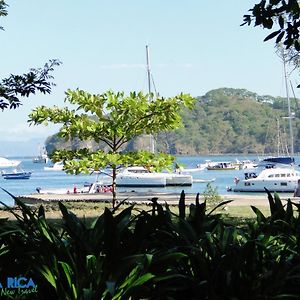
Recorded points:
274,180
140,181
14,176
178,179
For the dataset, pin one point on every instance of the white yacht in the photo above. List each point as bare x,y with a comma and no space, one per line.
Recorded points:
273,179
8,163
58,166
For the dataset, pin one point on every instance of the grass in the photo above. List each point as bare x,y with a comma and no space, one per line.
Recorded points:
92,210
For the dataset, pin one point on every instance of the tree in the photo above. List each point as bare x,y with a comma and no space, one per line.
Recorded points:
37,80
114,119
16,86
282,15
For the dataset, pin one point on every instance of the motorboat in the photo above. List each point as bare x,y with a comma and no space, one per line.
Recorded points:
220,166
276,161
58,166
8,163
16,174
99,185
273,179
204,180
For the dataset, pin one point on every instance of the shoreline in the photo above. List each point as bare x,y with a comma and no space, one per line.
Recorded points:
239,199
92,205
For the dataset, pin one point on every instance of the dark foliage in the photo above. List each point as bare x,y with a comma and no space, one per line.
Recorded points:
282,14
156,254
16,86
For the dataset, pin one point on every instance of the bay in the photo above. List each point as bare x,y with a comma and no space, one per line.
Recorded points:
59,179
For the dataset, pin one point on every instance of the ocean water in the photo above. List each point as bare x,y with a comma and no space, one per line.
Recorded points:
59,179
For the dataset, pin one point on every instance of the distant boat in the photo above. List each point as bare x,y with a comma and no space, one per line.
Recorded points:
220,166
276,161
8,163
58,166
42,157
199,180
15,174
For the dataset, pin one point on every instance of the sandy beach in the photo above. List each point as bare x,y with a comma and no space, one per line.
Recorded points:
239,199
91,205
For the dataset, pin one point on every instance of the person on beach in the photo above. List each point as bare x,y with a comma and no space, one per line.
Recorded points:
297,190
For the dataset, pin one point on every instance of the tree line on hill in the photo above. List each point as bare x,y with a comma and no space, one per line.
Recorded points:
223,121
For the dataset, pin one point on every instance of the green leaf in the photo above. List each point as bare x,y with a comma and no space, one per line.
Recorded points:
50,277
259,215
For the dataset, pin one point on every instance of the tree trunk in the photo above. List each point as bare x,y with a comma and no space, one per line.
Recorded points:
114,191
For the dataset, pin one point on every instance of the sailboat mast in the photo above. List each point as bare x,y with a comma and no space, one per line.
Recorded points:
148,70
289,106
151,138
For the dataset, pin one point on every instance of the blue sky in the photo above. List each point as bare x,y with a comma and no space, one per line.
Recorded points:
195,46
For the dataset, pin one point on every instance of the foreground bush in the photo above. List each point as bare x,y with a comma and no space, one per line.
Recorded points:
155,254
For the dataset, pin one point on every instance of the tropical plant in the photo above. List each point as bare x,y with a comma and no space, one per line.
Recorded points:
211,195
155,254
114,119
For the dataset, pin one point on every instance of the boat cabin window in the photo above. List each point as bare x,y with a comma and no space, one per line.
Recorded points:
282,175
271,176
247,183
283,183
288,175
277,175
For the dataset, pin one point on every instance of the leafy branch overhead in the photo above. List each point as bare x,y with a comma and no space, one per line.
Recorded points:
281,15
16,86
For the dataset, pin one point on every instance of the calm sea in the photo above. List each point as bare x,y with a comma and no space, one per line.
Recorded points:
59,179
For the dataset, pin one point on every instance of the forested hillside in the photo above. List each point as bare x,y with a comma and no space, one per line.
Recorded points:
223,121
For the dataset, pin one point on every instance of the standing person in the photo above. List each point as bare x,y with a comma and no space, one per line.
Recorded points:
297,190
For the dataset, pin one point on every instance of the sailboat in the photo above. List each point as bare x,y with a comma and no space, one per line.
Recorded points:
139,176
279,174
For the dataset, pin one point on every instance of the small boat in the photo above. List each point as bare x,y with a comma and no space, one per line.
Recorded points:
220,166
187,170
58,166
103,185
199,180
42,157
15,174
276,161
8,163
